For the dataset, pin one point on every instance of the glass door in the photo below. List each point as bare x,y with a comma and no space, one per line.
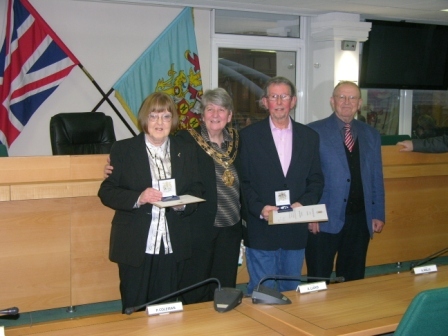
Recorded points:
243,73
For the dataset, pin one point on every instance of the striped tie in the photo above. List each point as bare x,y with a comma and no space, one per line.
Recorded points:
348,138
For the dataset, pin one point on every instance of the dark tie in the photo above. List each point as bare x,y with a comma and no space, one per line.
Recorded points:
348,138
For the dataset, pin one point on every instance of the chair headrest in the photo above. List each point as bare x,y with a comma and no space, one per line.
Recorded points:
81,133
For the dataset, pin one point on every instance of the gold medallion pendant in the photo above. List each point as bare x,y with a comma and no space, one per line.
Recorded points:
224,159
228,178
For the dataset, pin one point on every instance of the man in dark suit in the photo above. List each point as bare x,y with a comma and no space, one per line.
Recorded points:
350,153
278,154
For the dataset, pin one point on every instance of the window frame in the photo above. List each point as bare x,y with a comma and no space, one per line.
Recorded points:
296,45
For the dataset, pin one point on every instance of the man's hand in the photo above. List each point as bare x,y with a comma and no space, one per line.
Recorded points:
377,225
266,210
407,146
313,228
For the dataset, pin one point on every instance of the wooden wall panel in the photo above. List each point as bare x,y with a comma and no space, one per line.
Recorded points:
94,276
416,220
34,254
34,169
42,202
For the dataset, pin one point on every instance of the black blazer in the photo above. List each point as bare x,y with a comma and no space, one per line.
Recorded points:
204,218
262,176
120,191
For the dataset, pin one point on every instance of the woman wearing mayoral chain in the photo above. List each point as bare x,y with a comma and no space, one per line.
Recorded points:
216,225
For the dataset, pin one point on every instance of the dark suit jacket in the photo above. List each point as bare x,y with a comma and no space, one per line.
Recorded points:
337,173
120,191
437,144
262,176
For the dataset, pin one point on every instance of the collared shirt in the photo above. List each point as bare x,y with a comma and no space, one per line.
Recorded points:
160,164
283,143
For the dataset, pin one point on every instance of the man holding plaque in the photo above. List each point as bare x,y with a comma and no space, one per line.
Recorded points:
350,153
280,169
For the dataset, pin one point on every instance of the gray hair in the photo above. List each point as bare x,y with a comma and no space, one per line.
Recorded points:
346,82
218,97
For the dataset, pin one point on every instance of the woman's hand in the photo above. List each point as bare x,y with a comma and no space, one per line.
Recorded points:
150,195
108,168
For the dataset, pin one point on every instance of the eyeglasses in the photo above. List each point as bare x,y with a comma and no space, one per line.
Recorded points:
275,97
343,98
166,117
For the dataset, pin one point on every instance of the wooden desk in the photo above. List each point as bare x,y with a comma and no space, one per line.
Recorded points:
198,319
365,307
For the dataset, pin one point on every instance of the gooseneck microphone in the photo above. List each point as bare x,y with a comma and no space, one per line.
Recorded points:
9,311
225,299
265,295
424,261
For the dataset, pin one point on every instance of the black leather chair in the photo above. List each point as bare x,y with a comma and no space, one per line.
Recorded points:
81,133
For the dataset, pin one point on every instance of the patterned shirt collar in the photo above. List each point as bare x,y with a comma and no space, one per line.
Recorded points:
226,136
162,148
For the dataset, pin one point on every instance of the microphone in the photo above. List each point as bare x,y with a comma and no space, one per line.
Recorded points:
424,261
265,295
225,298
9,311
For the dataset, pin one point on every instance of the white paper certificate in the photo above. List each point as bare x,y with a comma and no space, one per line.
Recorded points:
184,199
304,214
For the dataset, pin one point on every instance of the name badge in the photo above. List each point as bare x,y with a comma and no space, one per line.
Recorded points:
425,269
165,308
168,189
312,287
282,201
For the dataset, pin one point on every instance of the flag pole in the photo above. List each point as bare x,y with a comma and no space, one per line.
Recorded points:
106,98
102,100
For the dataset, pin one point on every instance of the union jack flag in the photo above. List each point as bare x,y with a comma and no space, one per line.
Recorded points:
33,62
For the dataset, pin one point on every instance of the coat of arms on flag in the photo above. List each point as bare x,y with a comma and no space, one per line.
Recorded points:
171,65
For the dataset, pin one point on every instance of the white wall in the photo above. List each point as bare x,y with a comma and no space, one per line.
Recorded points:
107,39
330,64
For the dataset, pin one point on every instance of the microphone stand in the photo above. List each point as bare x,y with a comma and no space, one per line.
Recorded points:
9,311
266,295
432,256
225,299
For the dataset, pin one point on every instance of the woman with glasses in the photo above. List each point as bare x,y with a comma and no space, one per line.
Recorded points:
149,243
216,225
